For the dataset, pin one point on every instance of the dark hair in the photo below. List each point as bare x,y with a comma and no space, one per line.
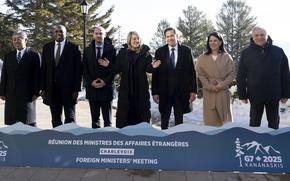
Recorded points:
169,29
220,38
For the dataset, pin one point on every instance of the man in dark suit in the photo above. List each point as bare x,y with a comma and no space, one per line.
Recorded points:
174,81
98,60
19,85
61,76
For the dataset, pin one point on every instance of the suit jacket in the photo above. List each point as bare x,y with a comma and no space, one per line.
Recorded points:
181,80
19,83
67,75
93,70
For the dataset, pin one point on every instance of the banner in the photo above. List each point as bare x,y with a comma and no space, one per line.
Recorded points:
143,147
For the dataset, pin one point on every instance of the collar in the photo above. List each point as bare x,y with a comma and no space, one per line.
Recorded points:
22,51
175,47
99,45
61,43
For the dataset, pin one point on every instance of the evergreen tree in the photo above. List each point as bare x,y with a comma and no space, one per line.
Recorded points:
194,27
38,17
235,23
158,39
7,27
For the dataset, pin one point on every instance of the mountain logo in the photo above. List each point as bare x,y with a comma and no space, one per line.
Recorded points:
254,154
3,151
2,145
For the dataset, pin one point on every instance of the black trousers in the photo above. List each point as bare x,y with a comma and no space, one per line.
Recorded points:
59,103
175,102
272,112
106,107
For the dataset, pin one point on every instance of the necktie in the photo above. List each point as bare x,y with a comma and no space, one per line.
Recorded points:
172,58
57,55
98,53
18,57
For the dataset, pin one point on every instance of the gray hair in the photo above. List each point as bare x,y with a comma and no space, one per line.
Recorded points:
258,28
21,34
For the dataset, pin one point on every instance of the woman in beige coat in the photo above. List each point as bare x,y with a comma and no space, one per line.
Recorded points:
215,70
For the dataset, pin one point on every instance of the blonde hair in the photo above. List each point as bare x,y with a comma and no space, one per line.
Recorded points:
129,38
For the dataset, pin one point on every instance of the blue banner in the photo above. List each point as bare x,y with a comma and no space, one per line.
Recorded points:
143,147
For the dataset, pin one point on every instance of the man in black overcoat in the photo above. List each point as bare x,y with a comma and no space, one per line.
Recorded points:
97,65
174,81
61,74
19,86
263,78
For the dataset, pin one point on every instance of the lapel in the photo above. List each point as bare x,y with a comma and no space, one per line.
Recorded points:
106,49
179,58
64,52
166,56
25,54
51,52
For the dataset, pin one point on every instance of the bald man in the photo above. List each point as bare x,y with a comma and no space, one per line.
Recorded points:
263,78
98,59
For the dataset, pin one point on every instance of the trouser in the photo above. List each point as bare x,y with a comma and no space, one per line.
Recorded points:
106,107
272,112
59,102
175,102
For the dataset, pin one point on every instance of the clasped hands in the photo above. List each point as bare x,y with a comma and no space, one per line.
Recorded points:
98,83
216,86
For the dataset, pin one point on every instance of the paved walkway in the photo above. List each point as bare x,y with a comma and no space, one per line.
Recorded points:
83,119
57,174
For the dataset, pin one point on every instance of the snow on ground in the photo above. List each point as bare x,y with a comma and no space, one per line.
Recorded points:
240,114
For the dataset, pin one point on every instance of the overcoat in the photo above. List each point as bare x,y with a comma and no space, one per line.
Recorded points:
92,70
185,77
67,74
19,83
143,65
263,73
216,105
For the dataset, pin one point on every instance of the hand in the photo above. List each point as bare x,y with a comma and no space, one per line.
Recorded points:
156,99
192,97
245,101
99,83
219,86
34,97
155,63
2,97
214,89
104,62
284,100
75,95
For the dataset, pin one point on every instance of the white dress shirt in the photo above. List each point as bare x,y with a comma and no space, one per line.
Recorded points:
175,53
61,47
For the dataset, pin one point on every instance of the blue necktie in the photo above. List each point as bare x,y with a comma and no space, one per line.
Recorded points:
18,57
172,58
98,53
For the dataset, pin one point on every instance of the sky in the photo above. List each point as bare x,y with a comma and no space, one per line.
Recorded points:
143,16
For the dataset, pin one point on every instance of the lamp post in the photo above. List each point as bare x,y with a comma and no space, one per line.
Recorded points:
84,10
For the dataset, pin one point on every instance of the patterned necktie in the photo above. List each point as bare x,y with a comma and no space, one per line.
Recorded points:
57,55
98,53
172,58
18,57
